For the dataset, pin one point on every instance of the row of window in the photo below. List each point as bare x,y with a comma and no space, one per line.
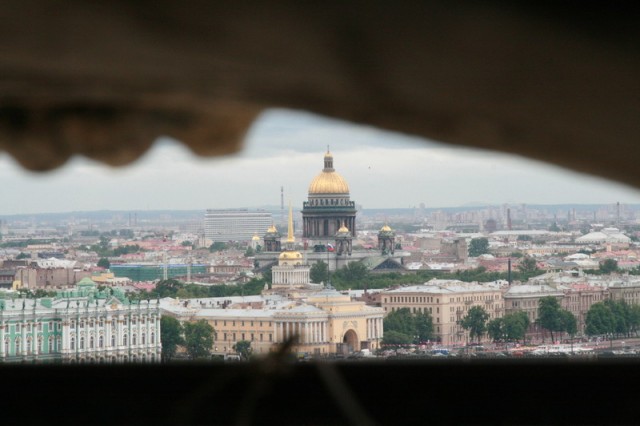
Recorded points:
100,341
30,347
410,299
28,327
91,323
232,336
233,323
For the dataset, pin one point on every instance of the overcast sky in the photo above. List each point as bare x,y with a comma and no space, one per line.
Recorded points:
285,148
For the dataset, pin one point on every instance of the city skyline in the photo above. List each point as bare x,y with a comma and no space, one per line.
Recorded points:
285,149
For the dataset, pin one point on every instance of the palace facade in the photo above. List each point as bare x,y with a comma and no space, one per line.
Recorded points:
83,325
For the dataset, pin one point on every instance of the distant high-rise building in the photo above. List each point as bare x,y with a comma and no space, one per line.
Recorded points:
235,224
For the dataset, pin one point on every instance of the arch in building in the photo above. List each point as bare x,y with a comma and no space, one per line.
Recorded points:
350,342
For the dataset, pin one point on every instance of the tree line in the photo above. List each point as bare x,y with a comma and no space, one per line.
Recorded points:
175,288
356,275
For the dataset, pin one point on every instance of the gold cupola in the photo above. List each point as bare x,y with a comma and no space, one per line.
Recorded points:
328,181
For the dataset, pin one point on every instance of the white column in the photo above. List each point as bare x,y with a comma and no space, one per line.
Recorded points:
119,327
23,337
2,325
107,331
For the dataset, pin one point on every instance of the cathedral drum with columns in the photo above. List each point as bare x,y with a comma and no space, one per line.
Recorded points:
329,206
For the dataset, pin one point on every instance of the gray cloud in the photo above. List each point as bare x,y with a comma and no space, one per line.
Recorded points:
286,149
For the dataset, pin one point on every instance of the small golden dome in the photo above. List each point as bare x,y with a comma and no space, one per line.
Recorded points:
328,183
290,255
385,228
343,229
255,238
272,229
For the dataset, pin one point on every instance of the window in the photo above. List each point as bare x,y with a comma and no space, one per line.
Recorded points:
81,342
113,340
101,341
124,340
72,343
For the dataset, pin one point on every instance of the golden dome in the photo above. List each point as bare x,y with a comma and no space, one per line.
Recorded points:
255,238
272,229
385,228
328,183
343,229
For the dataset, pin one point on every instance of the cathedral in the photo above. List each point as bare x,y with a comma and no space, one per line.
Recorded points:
329,206
328,230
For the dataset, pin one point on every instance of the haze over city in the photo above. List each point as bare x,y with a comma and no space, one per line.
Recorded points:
285,148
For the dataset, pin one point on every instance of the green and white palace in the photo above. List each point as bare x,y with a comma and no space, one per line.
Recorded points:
83,325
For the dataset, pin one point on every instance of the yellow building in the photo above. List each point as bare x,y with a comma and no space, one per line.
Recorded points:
447,301
321,322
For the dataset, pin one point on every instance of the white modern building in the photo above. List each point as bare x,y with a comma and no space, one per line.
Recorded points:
235,224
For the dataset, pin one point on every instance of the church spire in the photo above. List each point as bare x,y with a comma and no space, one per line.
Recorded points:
290,237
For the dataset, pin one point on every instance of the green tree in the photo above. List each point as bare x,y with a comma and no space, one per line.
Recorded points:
528,265
104,263
217,246
478,246
608,266
423,327
599,320
249,252
23,255
170,336
198,337
319,272
400,320
167,288
569,323
243,347
475,322
516,325
352,274
550,316
392,337
495,329
186,244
